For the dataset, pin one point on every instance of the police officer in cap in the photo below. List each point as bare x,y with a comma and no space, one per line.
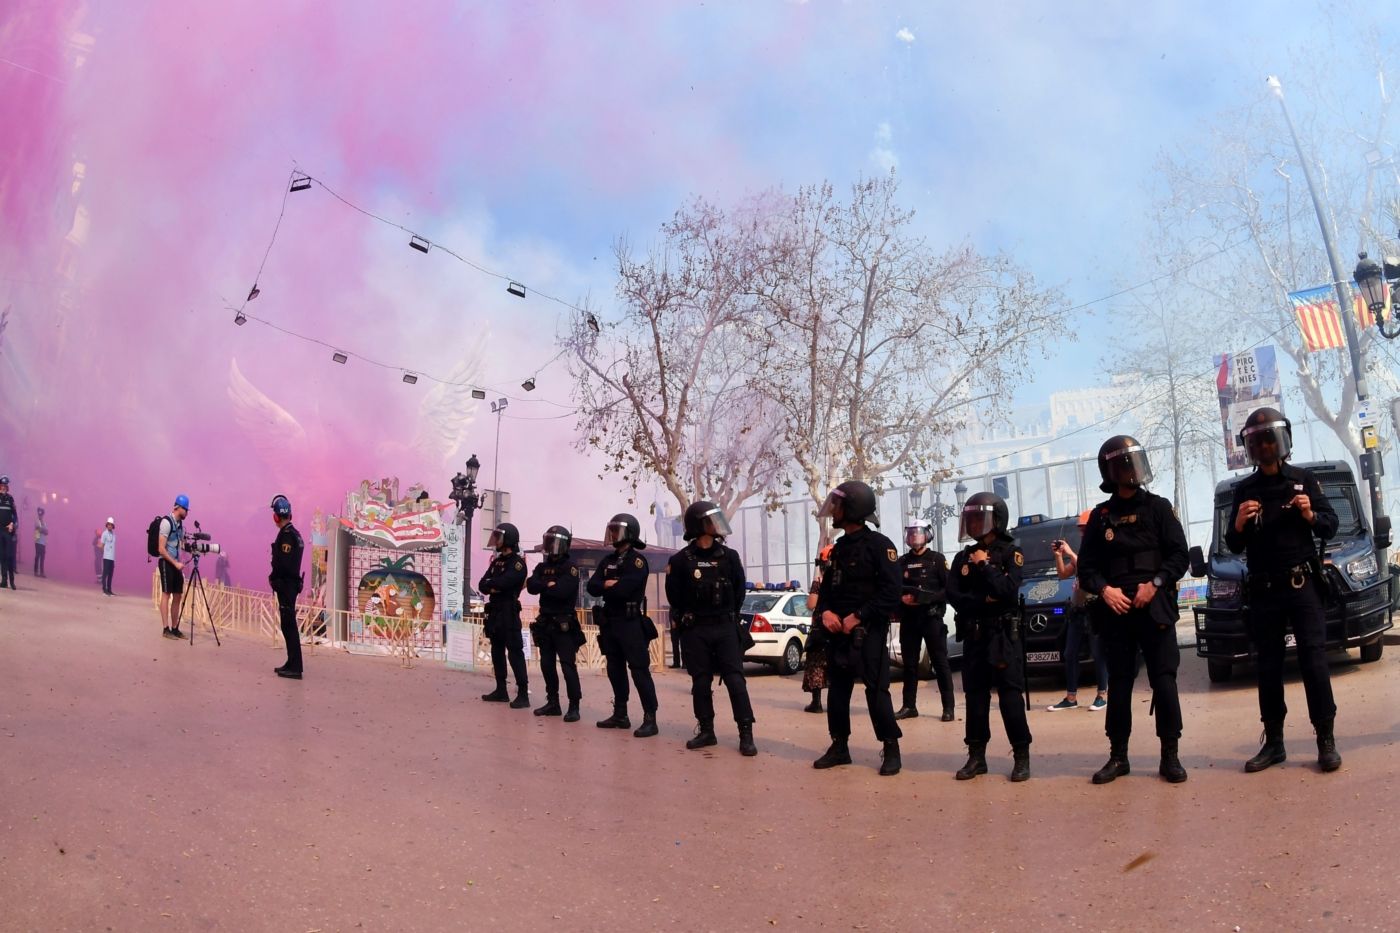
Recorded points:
286,582
556,630
1133,554
9,539
623,628
501,584
1277,514
857,599
705,587
925,575
984,586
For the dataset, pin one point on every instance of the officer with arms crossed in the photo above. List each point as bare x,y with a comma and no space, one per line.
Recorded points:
855,603
1277,513
501,584
170,536
623,634
925,573
286,582
556,630
705,586
9,540
984,586
1133,554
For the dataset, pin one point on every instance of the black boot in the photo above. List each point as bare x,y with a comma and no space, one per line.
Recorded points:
498,695
704,735
976,762
816,705
1117,764
572,714
837,754
1272,752
1021,766
907,712
1328,758
746,746
550,708
521,701
947,714
618,720
890,763
1170,769
648,727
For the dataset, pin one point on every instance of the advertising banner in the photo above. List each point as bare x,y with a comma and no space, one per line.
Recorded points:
1245,381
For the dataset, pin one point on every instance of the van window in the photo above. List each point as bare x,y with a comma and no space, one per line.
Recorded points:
1034,542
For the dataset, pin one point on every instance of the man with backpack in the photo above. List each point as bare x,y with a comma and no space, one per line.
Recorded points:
163,539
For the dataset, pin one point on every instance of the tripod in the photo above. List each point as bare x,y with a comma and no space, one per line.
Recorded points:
197,584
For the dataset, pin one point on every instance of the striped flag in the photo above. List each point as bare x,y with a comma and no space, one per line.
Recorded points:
1316,309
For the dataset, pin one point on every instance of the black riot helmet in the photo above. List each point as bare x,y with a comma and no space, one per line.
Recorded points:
504,536
1123,462
1266,426
982,514
917,535
556,542
852,501
705,518
623,529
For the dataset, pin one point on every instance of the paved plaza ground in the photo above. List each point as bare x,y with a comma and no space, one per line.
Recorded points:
147,784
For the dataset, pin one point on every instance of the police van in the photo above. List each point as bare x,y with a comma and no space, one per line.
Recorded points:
1359,610
1045,598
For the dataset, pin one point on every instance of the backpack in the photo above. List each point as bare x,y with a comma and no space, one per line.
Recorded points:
154,544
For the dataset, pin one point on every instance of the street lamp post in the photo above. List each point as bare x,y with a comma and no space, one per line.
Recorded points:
936,514
468,501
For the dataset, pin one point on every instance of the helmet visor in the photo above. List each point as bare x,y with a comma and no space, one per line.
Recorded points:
832,507
616,533
977,522
916,536
715,524
497,539
555,544
1264,442
1128,466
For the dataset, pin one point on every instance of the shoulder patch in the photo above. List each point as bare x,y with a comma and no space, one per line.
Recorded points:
286,549
1019,558
519,565
573,571
893,556
637,562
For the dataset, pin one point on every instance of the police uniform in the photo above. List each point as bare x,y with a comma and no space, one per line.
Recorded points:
501,584
556,631
925,577
622,636
863,580
1127,543
286,581
985,599
705,588
1284,588
9,539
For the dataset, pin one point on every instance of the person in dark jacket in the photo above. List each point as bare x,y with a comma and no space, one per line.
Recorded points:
9,539
1132,555
624,630
556,630
922,604
1278,514
286,582
501,585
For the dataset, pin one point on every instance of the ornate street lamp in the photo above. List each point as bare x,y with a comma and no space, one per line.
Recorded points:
468,501
1370,278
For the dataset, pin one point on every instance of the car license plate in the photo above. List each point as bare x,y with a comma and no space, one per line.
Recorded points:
1290,640
1042,657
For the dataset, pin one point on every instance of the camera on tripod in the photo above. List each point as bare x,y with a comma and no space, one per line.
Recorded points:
198,542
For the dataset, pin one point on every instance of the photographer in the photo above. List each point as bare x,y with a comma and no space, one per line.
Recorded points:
286,581
1076,628
172,572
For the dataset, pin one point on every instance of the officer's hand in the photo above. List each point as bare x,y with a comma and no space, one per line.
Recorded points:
831,621
907,599
849,623
1143,597
549,584
1116,600
609,584
978,556
1249,510
1303,503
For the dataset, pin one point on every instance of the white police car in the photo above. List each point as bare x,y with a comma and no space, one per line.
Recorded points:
777,618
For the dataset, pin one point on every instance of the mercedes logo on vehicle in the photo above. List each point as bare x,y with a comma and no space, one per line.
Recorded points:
1039,622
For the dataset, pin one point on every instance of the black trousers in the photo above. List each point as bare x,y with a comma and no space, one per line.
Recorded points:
869,663
915,631
508,644
287,612
1270,611
979,676
624,644
39,550
1123,636
9,546
107,567
711,649
559,646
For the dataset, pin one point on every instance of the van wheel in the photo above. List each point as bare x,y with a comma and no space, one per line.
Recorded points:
792,658
1218,671
1372,652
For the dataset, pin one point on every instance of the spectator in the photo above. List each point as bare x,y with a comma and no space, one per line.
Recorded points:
41,542
1076,627
109,555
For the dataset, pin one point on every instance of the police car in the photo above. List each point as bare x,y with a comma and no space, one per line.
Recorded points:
777,618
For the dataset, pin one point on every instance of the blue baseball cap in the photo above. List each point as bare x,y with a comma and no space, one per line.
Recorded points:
281,506
182,501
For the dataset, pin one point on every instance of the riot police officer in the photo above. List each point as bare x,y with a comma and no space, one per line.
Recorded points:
855,604
1277,513
705,586
9,538
501,585
984,586
286,582
623,627
1133,554
925,575
556,631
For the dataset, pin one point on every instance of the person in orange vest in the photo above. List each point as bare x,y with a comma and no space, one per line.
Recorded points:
814,664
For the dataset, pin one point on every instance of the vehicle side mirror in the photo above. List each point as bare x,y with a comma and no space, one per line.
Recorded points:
1383,532
1198,562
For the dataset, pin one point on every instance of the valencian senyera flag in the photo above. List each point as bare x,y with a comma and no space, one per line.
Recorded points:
1316,310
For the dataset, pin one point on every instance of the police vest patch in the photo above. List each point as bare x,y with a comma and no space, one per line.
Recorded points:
964,570
1108,534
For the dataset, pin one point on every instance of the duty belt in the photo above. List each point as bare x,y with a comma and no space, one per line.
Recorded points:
1295,577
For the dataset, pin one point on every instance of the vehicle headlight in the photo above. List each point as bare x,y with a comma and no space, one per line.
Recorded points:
1224,589
1362,567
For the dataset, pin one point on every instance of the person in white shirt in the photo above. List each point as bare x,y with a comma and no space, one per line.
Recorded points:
109,555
